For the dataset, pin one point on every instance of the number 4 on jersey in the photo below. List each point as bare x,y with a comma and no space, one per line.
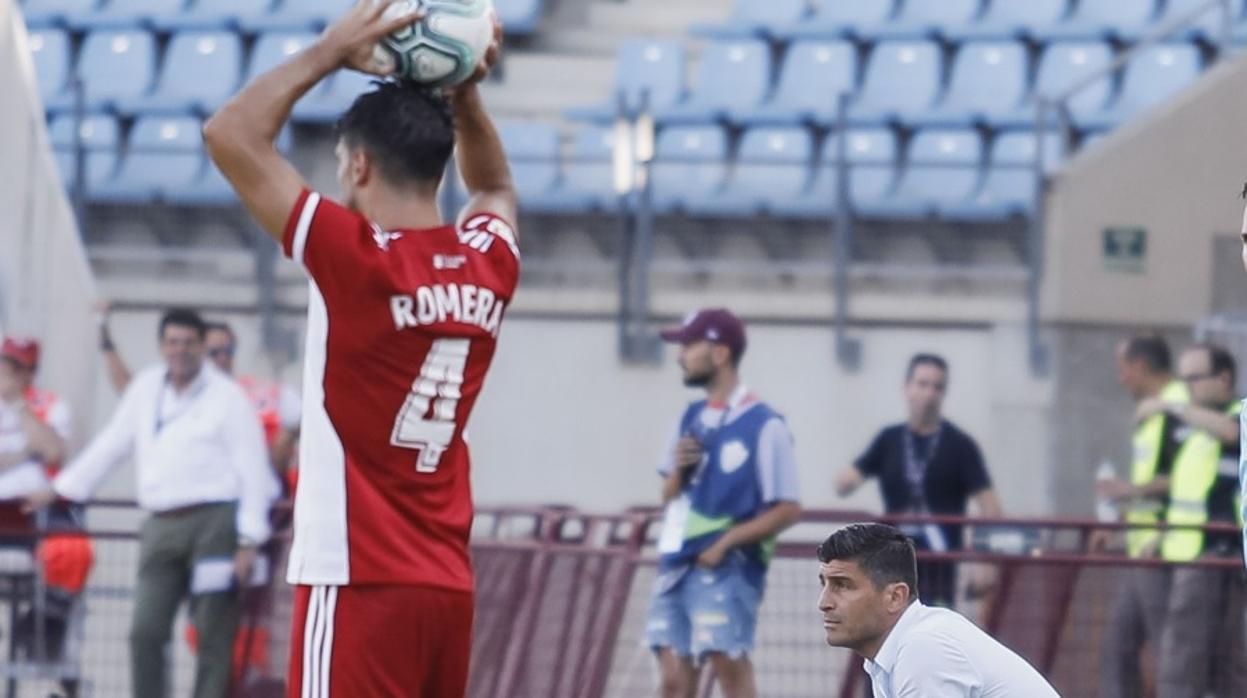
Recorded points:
427,420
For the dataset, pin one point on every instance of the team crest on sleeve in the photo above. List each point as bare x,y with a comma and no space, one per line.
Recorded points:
480,233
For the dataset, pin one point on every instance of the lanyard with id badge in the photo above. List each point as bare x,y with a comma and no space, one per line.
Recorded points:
916,466
676,514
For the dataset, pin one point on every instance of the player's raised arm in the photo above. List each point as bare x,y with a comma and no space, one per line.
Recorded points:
240,136
479,154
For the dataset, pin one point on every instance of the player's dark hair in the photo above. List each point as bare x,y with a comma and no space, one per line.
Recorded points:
182,317
925,360
1220,360
884,553
408,131
1152,350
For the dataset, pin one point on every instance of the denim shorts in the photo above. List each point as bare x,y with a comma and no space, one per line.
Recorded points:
696,611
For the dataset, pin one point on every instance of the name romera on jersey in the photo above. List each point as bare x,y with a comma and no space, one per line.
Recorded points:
467,304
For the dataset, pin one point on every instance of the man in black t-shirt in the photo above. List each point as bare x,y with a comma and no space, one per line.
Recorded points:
926,465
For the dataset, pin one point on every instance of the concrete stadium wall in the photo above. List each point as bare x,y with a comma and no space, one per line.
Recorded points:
561,420
46,286
1177,172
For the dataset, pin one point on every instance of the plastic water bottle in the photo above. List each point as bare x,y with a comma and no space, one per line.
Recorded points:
1105,508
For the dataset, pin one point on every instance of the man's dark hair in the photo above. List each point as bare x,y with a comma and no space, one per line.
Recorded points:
884,553
1152,350
408,131
925,360
182,317
222,327
1220,360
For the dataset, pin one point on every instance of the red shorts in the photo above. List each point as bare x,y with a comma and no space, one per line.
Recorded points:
380,642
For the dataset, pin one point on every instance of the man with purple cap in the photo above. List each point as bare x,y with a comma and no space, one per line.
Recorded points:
729,488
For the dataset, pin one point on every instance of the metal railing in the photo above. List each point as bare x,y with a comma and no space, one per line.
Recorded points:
562,596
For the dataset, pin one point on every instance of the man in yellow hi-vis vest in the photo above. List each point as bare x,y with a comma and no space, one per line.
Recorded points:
1202,644
1138,613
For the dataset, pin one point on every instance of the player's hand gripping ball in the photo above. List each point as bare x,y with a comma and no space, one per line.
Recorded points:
441,50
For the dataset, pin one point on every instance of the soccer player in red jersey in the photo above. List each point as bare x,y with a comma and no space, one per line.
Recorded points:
403,318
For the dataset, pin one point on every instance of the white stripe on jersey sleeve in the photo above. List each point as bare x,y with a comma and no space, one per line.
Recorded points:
304,225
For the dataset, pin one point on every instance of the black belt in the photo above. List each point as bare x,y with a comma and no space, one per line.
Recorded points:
188,509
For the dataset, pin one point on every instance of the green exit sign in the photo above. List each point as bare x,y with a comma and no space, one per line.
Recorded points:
1125,249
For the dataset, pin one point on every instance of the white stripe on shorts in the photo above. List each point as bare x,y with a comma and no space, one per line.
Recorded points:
318,641
309,624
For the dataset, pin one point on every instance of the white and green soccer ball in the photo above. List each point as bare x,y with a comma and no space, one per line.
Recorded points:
442,49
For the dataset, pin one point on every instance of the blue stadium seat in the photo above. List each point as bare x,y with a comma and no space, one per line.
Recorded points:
297,14
520,17
162,152
116,65
589,176
1206,26
1060,67
733,77
647,72
841,18
772,170
690,164
756,18
943,166
327,102
814,75
208,188
533,152
49,48
41,13
902,80
1152,76
100,137
274,48
124,14
924,18
200,71
989,81
1102,19
213,14
870,156
1008,188
1010,19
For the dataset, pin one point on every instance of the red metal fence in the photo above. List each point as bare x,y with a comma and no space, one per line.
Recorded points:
562,597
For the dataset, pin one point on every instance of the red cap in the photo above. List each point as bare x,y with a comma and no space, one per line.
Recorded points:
718,325
23,351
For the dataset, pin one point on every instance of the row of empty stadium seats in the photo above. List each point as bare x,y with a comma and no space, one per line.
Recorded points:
161,159
991,82
200,70
1040,20
521,17
783,171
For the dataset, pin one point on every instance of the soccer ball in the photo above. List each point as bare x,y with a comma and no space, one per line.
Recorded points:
442,49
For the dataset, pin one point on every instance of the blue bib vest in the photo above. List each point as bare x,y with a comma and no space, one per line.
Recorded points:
724,490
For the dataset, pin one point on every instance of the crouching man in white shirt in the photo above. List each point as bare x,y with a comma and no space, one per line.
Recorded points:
869,605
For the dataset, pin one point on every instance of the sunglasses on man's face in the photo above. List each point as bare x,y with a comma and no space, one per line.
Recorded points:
219,352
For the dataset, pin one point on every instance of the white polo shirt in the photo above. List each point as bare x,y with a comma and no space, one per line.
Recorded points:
200,446
937,653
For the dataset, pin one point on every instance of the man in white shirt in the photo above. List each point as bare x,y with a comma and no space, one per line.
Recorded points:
868,574
203,473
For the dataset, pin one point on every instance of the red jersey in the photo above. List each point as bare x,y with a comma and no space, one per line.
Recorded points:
402,327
